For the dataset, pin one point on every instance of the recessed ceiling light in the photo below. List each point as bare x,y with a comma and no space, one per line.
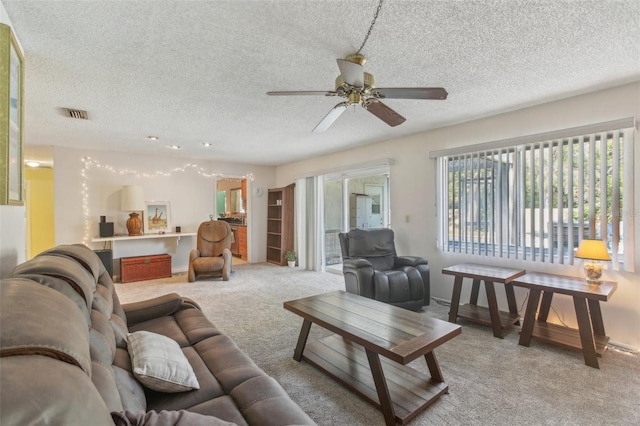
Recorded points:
153,138
32,163
175,146
206,144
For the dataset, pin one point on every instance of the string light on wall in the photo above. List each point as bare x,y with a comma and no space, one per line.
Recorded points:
88,163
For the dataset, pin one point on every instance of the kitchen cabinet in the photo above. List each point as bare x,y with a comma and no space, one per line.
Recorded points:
242,242
239,245
234,244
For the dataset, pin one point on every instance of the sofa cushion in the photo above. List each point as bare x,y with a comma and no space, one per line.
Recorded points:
208,264
64,268
131,391
65,288
166,418
81,254
159,363
63,336
40,390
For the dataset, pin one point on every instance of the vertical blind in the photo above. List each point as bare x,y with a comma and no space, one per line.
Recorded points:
536,200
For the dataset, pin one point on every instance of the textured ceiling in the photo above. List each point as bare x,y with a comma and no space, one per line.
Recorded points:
197,71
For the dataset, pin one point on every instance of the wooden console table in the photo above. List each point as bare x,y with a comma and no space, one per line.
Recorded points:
590,337
491,316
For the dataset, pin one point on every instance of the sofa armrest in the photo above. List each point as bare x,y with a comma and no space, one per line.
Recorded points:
410,261
187,302
145,310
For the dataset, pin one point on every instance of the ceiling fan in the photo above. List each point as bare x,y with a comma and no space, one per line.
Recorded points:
358,87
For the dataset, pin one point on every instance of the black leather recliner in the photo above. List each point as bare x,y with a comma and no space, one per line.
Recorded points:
372,269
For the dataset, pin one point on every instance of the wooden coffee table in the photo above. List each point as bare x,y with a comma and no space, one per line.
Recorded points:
366,329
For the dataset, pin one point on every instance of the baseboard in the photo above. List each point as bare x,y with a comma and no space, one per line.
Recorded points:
623,347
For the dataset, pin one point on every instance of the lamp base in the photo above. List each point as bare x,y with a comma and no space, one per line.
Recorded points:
593,272
134,224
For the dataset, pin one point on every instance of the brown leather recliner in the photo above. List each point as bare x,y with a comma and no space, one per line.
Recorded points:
212,257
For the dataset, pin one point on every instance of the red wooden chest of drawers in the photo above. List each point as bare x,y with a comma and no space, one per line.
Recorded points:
140,268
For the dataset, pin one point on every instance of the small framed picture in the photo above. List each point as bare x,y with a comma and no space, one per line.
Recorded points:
157,217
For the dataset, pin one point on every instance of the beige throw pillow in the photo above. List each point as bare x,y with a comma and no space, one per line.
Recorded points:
159,363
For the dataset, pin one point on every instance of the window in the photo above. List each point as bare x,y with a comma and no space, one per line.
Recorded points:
535,198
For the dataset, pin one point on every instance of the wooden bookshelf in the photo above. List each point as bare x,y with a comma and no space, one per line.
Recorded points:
279,223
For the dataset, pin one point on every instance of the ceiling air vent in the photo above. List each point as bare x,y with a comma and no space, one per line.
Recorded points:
75,113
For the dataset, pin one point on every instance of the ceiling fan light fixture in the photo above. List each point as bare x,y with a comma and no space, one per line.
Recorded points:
341,85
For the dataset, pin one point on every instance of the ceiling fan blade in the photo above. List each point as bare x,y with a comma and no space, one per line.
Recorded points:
352,73
437,93
302,92
331,117
385,113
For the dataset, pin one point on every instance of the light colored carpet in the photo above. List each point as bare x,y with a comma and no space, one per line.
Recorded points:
491,381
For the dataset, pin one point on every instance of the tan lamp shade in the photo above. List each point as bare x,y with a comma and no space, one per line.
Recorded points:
592,249
132,200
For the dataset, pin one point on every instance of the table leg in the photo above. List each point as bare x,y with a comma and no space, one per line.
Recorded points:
529,317
545,306
434,367
493,308
475,292
586,333
596,318
381,387
511,300
455,299
302,340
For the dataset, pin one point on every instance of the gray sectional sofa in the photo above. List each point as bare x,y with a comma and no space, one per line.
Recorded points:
66,346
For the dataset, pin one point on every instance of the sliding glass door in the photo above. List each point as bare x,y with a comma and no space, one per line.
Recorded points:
353,199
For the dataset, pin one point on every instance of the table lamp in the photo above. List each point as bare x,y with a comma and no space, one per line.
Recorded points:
132,200
593,251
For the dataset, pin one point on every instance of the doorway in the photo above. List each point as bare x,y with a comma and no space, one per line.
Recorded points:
353,199
231,207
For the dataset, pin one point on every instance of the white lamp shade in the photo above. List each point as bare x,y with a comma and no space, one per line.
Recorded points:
132,198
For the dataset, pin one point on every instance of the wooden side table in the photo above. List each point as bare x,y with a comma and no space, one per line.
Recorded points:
590,337
491,316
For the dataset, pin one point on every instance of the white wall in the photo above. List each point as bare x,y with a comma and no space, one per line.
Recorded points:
13,229
191,194
413,193
13,241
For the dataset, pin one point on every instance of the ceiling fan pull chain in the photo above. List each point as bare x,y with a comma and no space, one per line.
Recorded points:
371,27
